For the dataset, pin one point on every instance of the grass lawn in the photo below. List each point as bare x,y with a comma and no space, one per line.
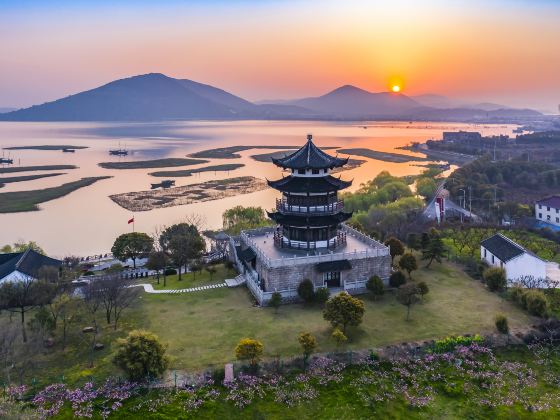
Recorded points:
189,280
203,328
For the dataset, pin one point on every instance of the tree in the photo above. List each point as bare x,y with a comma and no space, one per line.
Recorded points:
157,260
435,249
397,279
249,349
240,218
92,304
24,295
426,187
308,344
424,241
339,337
396,247
495,279
344,310
306,291
322,295
63,309
115,295
182,243
423,289
502,324
407,295
408,263
375,286
141,355
275,300
211,269
22,246
412,241
132,245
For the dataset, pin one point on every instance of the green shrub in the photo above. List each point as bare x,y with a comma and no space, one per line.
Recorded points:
322,294
306,291
536,303
141,355
502,324
495,279
275,300
397,279
375,286
449,344
516,294
170,272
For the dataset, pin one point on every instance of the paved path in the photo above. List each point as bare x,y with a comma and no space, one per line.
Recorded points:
148,288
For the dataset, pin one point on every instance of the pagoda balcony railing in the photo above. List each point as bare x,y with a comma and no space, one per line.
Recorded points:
333,243
283,207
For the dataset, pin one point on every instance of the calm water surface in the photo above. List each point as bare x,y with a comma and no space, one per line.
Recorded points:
86,221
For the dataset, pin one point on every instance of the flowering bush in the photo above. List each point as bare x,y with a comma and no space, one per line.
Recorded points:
450,343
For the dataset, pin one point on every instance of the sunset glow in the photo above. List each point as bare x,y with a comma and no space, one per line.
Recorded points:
502,51
396,88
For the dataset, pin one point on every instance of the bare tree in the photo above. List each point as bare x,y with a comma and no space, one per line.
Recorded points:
115,294
8,337
92,304
532,282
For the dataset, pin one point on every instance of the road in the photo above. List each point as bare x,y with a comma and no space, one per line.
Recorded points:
429,211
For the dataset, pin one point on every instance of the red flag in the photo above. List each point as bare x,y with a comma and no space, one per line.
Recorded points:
131,221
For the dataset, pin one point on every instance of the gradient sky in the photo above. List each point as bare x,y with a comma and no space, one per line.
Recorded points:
505,51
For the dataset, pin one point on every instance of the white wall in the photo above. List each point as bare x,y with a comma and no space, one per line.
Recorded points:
13,277
523,265
547,214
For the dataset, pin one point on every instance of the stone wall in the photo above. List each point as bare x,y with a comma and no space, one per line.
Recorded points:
289,277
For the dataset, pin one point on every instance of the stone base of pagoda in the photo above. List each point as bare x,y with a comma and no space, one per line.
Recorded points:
283,242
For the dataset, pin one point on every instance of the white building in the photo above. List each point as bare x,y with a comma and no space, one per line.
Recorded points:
500,251
548,210
20,266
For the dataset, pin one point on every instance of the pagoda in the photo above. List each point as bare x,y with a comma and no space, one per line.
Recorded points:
309,214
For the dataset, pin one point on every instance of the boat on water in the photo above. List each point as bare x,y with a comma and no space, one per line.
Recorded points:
166,183
6,161
118,152
66,150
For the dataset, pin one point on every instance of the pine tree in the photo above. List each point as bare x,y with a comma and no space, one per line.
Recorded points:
435,250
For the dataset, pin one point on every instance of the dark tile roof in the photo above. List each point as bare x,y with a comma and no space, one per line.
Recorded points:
28,262
309,157
503,248
553,201
312,221
301,184
338,265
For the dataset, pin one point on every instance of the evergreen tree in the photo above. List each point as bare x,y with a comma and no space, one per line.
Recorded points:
435,249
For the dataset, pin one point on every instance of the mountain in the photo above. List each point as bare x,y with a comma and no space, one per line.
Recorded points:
443,102
6,109
140,98
154,96
350,101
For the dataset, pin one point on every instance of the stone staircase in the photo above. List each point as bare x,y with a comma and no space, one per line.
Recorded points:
238,281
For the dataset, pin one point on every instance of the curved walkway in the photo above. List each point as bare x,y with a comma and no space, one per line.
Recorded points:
148,288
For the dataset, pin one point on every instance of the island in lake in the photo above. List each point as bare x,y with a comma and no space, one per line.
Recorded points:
187,194
155,163
47,147
189,172
230,152
18,201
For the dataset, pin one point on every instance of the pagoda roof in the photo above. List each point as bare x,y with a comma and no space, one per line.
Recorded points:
299,184
309,157
311,221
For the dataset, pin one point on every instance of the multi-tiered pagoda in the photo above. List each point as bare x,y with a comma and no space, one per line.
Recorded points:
309,213
310,241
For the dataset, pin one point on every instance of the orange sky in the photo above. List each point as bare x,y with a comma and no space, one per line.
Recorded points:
501,51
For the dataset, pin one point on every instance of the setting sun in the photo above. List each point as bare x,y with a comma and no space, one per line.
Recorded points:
396,88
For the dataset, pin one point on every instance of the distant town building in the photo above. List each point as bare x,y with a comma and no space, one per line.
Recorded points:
548,210
500,251
310,240
20,266
461,136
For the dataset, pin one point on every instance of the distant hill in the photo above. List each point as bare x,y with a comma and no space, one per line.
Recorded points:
6,109
350,101
156,97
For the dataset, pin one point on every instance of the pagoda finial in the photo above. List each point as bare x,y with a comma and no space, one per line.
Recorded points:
310,137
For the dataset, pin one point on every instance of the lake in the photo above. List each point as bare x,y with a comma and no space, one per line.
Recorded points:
87,221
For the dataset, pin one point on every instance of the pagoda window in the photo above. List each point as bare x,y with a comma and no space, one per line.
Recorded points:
301,171
315,171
